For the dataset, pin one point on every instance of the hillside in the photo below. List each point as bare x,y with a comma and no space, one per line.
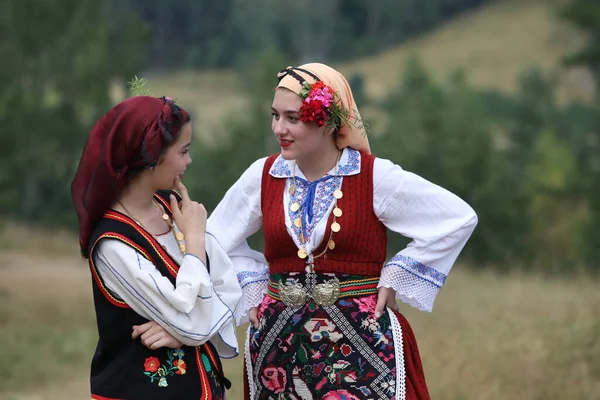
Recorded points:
493,44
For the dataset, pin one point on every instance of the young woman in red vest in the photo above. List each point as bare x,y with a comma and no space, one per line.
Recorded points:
322,299
164,290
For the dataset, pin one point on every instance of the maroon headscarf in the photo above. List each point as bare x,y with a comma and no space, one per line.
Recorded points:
129,138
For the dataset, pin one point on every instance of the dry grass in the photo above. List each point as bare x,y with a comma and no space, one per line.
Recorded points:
34,240
493,44
512,337
490,337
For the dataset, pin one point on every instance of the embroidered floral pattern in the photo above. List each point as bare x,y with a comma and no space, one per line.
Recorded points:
281,168
265,304
151,364
352,165
366,304
274,379
319,328
323,201
339,395
180,365
349,165
337,352
159,373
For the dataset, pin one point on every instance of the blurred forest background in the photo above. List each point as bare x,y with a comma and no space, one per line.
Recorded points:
496,100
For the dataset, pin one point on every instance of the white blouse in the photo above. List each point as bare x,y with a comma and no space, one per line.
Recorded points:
198,308
438,222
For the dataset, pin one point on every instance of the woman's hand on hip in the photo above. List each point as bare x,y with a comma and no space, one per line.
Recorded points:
386,297
253,316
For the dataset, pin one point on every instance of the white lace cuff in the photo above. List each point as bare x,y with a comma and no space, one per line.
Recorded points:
415,284
254,288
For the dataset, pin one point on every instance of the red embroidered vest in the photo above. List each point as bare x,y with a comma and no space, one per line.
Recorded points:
360,245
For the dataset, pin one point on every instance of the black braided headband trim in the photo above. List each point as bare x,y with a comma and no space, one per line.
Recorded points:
292,71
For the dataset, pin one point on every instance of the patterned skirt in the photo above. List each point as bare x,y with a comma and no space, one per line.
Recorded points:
332,352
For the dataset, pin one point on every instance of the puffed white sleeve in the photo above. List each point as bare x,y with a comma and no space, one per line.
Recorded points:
237,217
438,222
228,290
191,311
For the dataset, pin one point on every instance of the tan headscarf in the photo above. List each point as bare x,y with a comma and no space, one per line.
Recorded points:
354,135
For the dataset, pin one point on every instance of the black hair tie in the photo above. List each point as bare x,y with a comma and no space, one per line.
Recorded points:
291,71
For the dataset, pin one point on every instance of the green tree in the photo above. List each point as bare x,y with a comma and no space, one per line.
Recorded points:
443,133
60,58
555,214
589,178
208,33
585,15
506,155
249,136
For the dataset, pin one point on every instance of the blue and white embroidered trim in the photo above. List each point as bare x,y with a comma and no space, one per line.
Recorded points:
411,265
245,278
323,200
352,165
281,168
349,165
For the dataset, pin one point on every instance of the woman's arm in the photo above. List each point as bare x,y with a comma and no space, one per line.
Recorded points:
237,217
438,222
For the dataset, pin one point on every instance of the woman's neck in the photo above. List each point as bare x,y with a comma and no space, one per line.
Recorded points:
137,199
319,163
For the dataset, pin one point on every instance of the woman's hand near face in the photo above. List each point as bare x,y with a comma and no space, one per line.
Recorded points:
190,217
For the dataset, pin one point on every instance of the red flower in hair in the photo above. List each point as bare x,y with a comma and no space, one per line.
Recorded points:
317,86
321,105
313,111
318,99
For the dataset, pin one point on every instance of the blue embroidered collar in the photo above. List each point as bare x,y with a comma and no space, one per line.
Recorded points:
349,165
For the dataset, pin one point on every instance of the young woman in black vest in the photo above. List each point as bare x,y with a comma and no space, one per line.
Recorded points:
164,290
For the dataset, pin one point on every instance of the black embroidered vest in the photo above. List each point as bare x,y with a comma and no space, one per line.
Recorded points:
123,368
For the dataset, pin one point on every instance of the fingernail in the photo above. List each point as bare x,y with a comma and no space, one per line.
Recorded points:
377,314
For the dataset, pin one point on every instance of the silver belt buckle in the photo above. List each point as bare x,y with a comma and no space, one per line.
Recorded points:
324,294
327,293
292,294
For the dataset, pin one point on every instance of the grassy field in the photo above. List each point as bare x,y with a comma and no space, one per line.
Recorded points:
490,337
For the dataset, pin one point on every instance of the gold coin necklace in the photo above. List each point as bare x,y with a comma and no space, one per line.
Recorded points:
298,222
177,234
